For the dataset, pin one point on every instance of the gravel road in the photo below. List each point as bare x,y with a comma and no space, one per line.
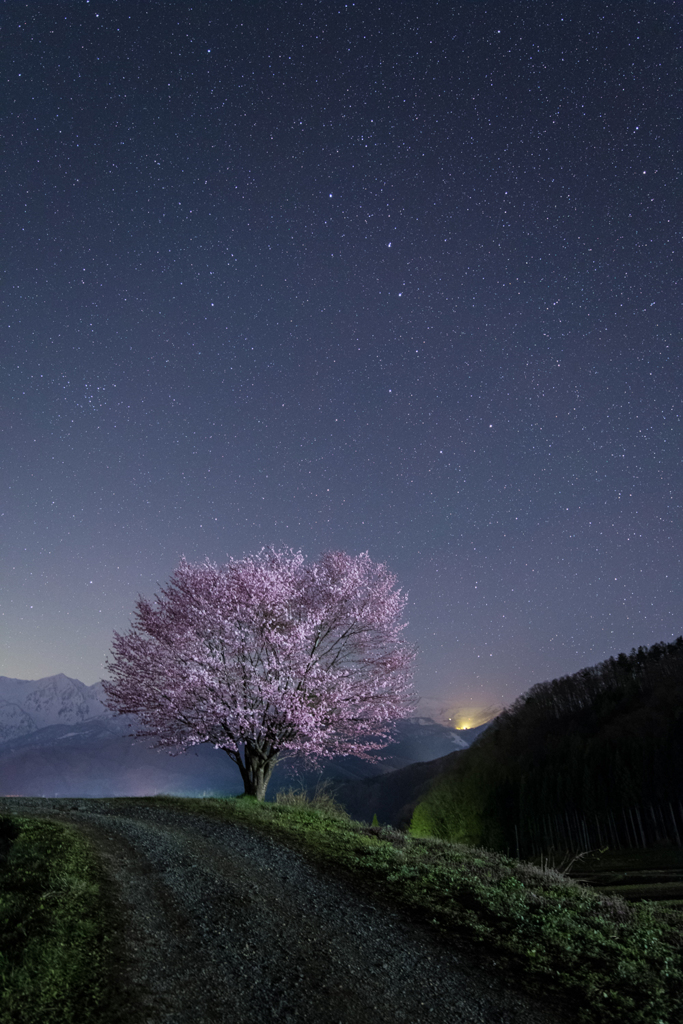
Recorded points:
222,924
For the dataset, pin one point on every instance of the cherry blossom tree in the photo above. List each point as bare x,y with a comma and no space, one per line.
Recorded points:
267,657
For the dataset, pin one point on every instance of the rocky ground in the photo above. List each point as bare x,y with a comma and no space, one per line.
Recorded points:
222,924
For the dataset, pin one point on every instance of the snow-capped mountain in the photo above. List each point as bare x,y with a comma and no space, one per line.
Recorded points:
30,704
58,739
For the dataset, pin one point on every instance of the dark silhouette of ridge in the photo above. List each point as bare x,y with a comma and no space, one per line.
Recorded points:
393,796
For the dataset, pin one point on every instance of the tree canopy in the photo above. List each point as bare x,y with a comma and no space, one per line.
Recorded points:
267,656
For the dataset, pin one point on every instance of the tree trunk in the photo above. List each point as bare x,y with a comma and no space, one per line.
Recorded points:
256,769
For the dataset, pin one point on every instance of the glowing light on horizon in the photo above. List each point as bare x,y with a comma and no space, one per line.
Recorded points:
470,718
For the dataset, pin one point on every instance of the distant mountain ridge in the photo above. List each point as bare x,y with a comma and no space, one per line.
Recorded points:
394,794
58,739
30,704
98,758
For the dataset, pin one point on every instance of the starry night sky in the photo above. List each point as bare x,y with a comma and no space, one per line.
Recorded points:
397,277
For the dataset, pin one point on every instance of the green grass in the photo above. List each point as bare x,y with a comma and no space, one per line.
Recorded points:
607,960
657,858
653,874
659,892
53,925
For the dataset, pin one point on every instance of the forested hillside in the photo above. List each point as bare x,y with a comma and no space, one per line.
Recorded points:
589,760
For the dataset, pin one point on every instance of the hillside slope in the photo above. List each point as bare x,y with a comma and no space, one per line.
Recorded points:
393,796
586,761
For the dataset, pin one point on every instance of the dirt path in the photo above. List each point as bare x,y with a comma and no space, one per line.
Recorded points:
221,924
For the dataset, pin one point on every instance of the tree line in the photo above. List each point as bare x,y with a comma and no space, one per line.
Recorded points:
590,759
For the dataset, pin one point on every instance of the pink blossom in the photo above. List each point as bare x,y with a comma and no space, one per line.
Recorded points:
266,657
